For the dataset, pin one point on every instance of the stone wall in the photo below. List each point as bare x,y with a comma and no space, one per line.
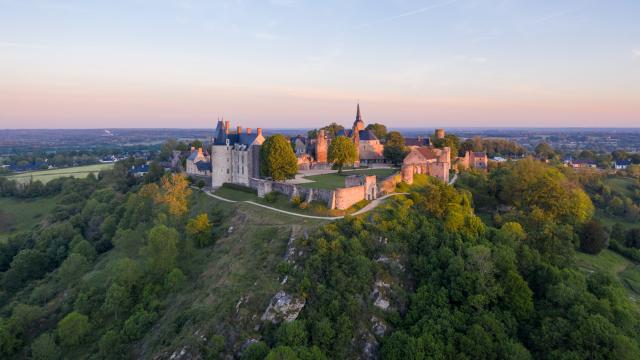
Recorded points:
388,185
290,190
347,197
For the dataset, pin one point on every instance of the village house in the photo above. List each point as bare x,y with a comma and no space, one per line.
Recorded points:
198,163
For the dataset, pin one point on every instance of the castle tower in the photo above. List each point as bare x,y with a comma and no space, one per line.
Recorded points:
439,133
321,147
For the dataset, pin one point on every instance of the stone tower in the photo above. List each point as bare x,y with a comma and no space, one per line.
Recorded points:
321,147
439,134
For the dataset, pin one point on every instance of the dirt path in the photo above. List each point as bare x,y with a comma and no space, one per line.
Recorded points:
372,205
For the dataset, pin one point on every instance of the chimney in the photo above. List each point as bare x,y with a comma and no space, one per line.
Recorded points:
239,130
192,148
226,126
259,131
248,131
199,151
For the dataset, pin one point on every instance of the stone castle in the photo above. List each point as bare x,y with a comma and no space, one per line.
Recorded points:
235,158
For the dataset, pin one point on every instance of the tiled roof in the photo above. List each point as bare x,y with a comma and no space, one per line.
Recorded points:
367,135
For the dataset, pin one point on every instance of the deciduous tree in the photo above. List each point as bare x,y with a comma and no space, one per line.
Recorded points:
277,159
342,151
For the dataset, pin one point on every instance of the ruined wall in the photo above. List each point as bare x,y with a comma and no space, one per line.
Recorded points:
290,190
440,170
388,185
346,197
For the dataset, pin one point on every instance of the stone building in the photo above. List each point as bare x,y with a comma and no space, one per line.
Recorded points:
235,157
198,163
474,159
368,146
427,160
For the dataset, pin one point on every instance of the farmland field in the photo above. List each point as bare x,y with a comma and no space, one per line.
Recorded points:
47,175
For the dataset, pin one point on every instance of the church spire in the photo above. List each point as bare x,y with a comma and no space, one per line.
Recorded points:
358,117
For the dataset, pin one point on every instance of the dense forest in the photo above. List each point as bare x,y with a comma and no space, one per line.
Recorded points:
483,270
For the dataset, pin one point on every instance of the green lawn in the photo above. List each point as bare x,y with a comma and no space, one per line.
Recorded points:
333,180
48,175
22,214
626,271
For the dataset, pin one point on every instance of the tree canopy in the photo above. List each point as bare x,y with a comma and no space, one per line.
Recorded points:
277,159
342,151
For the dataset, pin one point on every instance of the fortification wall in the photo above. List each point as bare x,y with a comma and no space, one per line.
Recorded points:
388,185
346,197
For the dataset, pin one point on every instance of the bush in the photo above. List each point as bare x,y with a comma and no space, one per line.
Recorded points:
240,188
303,205
296,201
200,183
136,326
271,197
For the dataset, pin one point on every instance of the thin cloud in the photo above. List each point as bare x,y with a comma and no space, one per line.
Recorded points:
551,16
409,13
10,44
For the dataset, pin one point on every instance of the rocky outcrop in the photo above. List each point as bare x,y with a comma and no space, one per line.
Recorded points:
283,307
380,295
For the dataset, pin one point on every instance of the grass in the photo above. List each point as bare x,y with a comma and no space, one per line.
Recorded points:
18,215
48,175
281,202
232,281
625,270
334,180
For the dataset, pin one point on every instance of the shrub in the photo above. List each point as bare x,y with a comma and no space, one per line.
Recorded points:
296,201
200,183
304,205
271,197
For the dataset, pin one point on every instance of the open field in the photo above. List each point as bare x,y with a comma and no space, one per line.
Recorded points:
334,180
626,271
22,214
48,175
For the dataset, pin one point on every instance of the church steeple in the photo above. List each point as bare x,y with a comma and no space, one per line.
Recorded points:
358,124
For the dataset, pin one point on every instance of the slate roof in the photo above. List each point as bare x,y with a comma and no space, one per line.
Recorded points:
242,139
367,135
203,166
623,162
417,141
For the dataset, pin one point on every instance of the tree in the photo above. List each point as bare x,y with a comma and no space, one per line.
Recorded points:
137,324
176,193
378,129
161,251
342,151
199,229
451,141
117,300
277,159
73,267
544,151
394,149
73,329
45,348
593,237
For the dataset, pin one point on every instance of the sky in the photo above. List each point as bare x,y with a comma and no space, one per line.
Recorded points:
296,64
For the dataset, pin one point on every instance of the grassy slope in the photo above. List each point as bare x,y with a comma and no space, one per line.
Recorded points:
626,271
48,175
619,184
22,214
241,265
333,180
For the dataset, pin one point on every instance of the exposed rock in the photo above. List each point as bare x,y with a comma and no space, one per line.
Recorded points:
247,343
378,326
380,295
283,307
370,348
230,229
185,353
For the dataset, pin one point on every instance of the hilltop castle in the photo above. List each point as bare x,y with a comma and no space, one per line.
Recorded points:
235,157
